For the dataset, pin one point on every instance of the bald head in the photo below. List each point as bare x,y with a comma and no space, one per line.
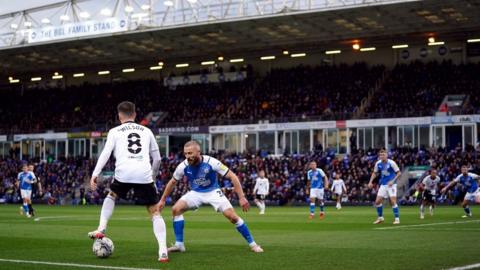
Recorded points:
191,150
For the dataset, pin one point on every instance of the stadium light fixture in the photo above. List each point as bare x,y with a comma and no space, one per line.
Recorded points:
145,7
27,24
156,67
57,76
400,46
207,63
220,58
14,26
106,12
64,17
182,65
431,40
36,79
285,52
104,72
368,49
126,70
168,3
128,9
295,55
160,63
77,75
473,40
238,60
45,20
436,43
10,78
14,81
333,52
356,46
84,15
270,57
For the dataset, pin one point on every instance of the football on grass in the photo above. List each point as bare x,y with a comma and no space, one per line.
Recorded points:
103,248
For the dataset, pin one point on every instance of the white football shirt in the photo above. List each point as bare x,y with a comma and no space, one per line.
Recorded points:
261,186
131,144
338,186
431,184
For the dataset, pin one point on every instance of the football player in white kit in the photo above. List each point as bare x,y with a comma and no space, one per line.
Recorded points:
201,172
470,182
260,190
132,146
429,185
339,188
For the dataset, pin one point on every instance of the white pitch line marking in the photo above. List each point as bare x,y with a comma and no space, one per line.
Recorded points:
74,265
426,225
466,267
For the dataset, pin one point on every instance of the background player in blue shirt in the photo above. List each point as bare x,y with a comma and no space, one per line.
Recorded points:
25,180
470,182
389,173
201,172
317,182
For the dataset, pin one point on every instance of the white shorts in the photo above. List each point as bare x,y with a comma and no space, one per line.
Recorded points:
215,198
472,196
316,193
26,193
386,192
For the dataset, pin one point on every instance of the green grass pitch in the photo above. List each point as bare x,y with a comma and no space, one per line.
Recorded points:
345,239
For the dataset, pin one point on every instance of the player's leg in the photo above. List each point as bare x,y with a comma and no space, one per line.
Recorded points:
191,200
149,196
379,208
339,198
118,190
466,208
241,226
313,196
422,208
263,204
396,212
258,202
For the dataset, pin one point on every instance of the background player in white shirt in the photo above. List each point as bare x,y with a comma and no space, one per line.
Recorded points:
132,145
201,172
429,186
260,190
339,188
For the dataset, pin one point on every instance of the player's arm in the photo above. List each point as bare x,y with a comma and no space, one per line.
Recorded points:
325,179
177,176
451,184
398,173
268,187
237,187
255,188
373,176
307,191
344,187
102,160
155,154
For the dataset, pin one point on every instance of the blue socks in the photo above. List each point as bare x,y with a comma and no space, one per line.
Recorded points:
312,208
244,231
25,208
395,211
380,210
467,210
321,207
178,225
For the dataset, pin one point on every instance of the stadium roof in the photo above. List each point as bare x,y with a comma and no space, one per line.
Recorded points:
311,30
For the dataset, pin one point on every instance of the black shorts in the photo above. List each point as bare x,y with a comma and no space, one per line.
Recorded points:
260,197
144,194
428,197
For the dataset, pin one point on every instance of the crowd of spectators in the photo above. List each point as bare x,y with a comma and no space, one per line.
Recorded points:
418,88
66,181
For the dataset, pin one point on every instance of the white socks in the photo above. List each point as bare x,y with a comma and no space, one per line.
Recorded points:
107,210
160,233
